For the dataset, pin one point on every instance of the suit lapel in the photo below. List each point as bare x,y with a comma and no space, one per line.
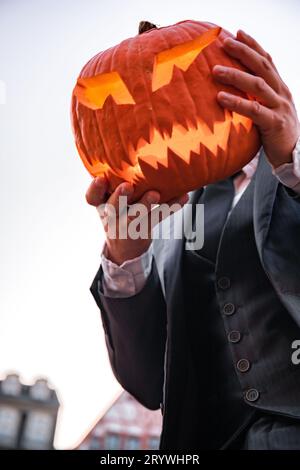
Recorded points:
176,358
175,382
176,347
264,196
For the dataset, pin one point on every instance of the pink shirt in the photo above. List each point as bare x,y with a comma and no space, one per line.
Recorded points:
130,277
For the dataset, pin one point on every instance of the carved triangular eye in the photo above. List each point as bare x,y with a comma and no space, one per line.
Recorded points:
181,56
93,91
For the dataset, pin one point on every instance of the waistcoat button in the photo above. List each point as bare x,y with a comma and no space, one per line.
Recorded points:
234,336
243,365
252,395
223,283
229,309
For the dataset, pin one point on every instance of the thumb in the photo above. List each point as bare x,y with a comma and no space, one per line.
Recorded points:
96,193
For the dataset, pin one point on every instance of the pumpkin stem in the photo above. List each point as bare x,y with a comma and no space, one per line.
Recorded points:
146,26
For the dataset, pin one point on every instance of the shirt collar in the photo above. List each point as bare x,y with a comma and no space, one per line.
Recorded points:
251,167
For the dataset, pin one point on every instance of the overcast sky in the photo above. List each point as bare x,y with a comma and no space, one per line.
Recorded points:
50,239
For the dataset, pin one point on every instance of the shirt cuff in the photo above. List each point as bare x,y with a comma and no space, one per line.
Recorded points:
127,279
289,173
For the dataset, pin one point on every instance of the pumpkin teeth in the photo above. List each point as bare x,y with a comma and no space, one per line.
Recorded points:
239,120
158,152
185,140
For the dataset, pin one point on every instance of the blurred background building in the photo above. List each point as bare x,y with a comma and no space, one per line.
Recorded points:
28,414
50,238
126,425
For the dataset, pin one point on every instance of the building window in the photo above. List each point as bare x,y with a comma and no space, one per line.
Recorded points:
40,390
132,443
95,443
9,424
38,430
129,411
112,442
153,443
11,385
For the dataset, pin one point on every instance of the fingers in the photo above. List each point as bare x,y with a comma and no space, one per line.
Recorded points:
254,86
142,208
114,206
120,197
181,200
260,115
161,212
254,61
149,198
96,192
253,44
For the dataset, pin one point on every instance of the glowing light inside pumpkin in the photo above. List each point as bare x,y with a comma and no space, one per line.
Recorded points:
182,142
93,91
181,56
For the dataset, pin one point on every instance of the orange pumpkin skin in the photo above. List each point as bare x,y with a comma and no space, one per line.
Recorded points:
173,139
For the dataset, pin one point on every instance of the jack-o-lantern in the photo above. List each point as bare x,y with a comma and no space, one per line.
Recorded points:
146,112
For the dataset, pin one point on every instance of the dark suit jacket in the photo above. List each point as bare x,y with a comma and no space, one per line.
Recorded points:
145,333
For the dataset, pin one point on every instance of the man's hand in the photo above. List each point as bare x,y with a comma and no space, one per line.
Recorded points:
119,249
273,111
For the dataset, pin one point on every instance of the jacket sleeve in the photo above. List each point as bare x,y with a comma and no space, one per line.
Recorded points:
281,253
135,333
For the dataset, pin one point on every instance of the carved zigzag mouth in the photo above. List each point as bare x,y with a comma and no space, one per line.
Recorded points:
183,141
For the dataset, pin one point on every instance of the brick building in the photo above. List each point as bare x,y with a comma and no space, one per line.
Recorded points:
126,425
28,414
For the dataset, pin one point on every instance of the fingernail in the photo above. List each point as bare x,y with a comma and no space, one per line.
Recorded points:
126,189
99,180
220,70
153,198
230,41
226,98
242,32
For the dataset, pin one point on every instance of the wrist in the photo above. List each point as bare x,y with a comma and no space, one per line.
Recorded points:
283,158
119,254
286,156
289,173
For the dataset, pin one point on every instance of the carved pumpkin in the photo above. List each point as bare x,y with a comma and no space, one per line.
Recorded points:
145,111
